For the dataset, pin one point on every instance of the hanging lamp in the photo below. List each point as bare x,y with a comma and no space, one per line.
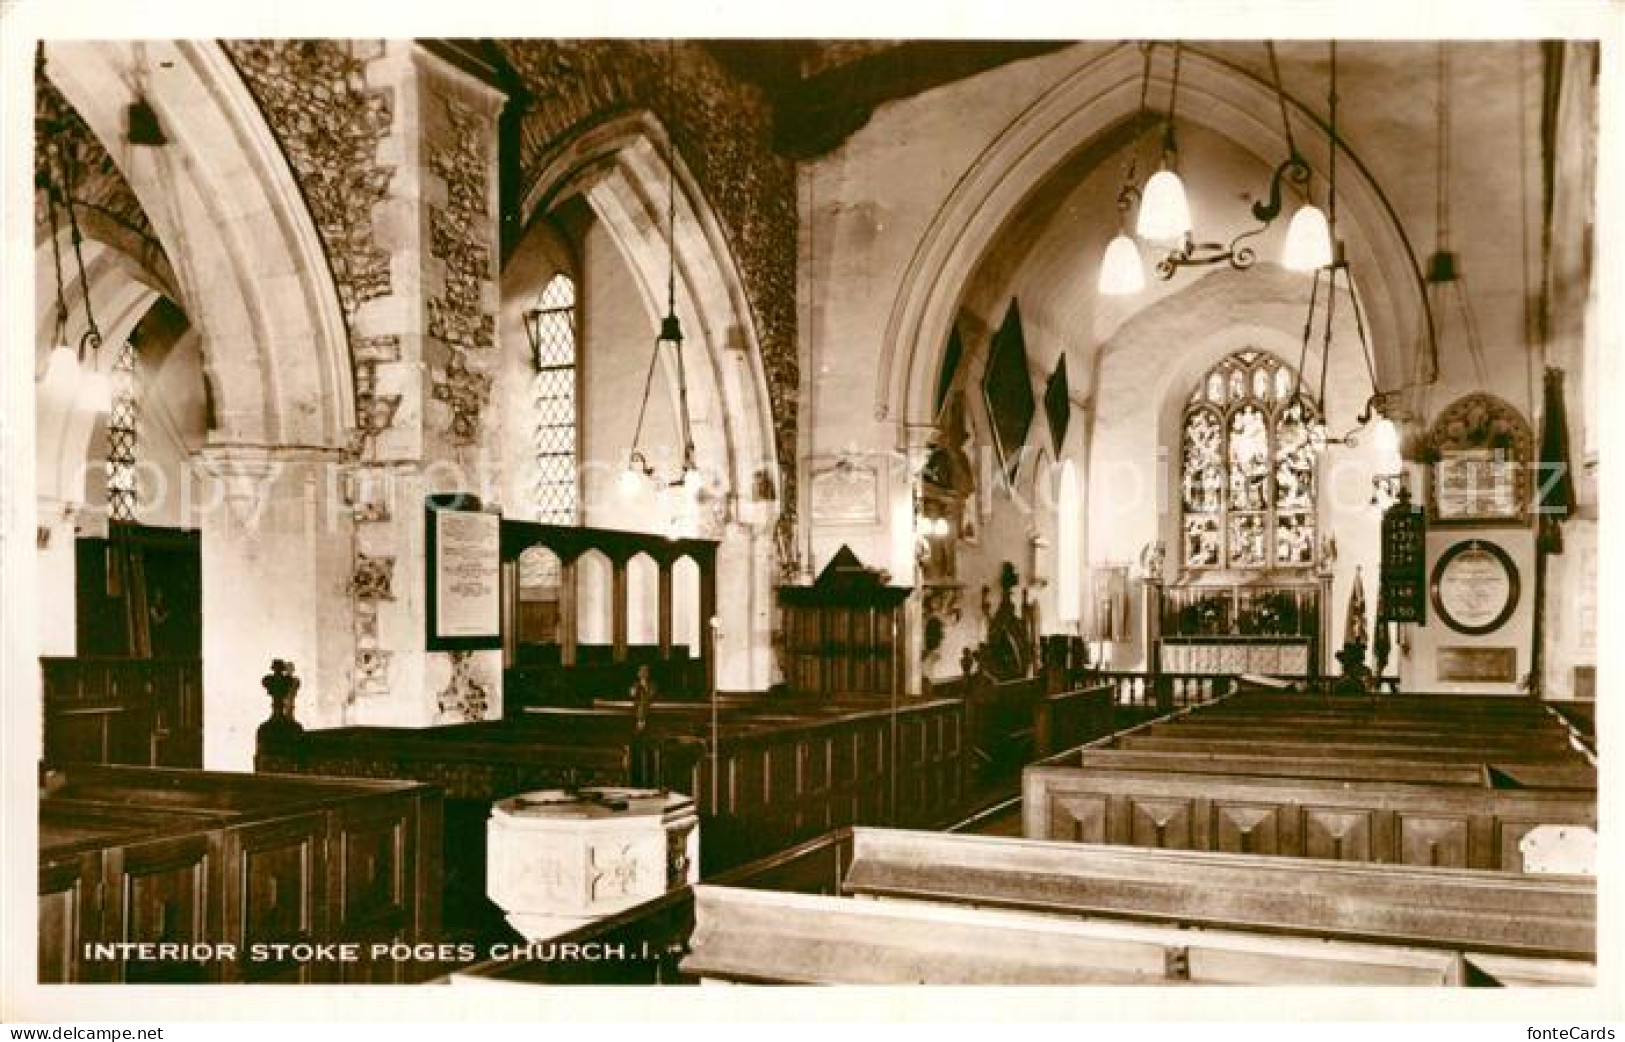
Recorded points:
1122,272
1165,212
639,471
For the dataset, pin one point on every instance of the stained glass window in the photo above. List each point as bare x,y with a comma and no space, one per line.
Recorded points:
1248,482
553,396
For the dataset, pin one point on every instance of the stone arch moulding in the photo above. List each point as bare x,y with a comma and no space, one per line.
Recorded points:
1084,105
620,168
252,274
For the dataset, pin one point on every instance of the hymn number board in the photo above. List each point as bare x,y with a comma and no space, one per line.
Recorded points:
1403,593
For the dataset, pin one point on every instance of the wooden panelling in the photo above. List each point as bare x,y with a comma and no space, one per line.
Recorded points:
1448,826
186,857
767,937
164,892
1536,916
144,712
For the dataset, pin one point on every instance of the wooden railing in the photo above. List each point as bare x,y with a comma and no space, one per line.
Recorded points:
1162,692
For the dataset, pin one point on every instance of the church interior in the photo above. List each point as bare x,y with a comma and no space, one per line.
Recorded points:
673,511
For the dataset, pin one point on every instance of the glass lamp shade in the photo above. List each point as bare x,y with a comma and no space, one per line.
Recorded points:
1121,272
61,375
1164,212
95,392
630,482
1308,241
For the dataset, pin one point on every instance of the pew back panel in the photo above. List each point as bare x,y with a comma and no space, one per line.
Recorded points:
1441,826
766,937
1537,916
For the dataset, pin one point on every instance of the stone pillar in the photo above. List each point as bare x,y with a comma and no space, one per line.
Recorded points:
55,576
276,538
427,347
746,565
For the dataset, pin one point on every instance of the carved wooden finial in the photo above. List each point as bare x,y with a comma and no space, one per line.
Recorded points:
283,687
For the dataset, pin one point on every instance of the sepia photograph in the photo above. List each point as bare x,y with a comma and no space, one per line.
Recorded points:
1110,503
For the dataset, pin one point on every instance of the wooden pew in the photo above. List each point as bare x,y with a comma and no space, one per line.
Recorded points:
766,937
1437,825
204,858
1372,748
1543,917
1479,775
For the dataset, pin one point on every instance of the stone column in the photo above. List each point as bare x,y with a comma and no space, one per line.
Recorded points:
54,576
746,565
428,345
276,539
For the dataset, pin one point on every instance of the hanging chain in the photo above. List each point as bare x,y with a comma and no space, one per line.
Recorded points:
1280,98
1441,201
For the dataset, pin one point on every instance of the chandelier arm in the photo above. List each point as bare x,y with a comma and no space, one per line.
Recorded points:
1441,199
682,412
643,406
1308,329
1331,164
93,336
56,252
1326,339
1293,168
1365,345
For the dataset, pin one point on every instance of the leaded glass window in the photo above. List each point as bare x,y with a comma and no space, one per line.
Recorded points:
1248,480
553,396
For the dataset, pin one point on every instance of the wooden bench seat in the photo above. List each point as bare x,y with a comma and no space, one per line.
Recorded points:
1366,749
754,936
1436,825
1479,775
1547,917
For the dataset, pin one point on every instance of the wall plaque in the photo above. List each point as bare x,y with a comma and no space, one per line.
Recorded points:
1481,448
1477,665
846,492
1475,587
464,549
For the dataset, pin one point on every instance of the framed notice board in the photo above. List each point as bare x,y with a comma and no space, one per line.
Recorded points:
463,547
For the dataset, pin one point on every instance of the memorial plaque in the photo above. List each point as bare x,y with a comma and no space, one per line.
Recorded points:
464,578
1477,665
1475,587
846,492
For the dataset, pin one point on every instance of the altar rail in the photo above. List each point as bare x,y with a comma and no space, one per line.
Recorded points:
1161,692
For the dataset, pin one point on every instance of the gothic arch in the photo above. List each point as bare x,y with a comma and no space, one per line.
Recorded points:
1087,104
249,267
620,168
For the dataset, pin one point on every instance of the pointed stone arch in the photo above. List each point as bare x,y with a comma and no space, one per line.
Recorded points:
250,270
620,168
